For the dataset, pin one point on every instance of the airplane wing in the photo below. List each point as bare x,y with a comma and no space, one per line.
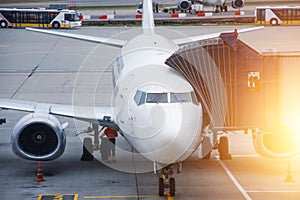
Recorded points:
100,115
101,40
187,40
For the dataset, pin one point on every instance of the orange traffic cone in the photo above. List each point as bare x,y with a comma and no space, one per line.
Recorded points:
39,176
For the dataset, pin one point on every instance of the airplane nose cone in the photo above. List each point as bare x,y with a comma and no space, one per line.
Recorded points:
173,134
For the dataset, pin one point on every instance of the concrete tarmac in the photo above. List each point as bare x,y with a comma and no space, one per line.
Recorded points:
76,71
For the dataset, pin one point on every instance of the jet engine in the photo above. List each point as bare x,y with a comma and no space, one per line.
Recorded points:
184,5
38,137
237,4
281,144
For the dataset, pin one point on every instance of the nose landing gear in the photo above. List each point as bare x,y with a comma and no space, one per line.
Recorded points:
167,181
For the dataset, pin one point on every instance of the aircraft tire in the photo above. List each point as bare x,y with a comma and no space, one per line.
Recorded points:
161,187
225,8
172,187
87,150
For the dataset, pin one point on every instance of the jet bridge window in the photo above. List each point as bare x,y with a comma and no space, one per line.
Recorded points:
157,98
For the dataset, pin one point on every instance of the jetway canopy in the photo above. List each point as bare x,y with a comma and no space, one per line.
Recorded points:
240,87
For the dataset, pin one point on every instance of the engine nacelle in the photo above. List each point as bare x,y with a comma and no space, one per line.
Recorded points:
237,4
38,137
282,144
184,5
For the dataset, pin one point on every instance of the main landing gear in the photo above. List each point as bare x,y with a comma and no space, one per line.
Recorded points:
166,181
87,150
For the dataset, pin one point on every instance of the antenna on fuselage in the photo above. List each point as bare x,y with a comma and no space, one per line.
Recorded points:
148,19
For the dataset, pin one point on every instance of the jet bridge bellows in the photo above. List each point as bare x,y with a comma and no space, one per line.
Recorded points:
238,86
208,66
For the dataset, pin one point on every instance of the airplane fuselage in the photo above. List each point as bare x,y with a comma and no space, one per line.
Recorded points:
214,2
157,110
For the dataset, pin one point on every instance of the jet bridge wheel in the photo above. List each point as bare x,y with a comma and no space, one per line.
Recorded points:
223,148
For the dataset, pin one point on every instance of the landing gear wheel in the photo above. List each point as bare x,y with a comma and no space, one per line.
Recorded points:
87,150
223,148
217,9
166,181
225,8
172,187
161,187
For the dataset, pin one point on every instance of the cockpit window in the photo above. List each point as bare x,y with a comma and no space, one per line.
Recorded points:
139,97
180,97
157,98
143,97
194,98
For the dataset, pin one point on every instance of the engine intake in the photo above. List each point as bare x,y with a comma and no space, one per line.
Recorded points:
38,137
281,144
184,5
237,4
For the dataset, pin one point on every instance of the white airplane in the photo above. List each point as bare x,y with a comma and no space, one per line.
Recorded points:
220,5
158,114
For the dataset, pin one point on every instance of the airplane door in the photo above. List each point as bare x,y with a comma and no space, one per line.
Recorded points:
122,105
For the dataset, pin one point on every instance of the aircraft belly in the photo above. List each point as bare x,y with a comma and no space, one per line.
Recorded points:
215,2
